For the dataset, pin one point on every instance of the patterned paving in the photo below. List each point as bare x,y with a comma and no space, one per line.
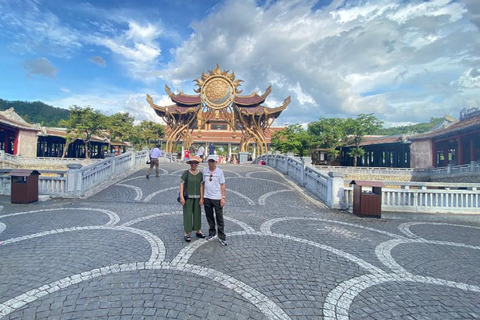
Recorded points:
120,254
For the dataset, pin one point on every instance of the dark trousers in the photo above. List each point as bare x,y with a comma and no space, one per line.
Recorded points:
211,205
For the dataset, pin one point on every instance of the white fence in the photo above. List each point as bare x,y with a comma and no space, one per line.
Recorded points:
77,179
428,197
450,170
325,186
41,161
473,167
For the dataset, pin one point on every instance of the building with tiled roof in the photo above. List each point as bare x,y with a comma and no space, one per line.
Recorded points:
380,151
453,142
17,136
456,144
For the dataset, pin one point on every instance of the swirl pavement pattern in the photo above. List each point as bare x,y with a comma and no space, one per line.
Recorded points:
120,254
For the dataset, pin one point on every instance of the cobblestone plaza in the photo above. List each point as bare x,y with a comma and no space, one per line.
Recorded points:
120,254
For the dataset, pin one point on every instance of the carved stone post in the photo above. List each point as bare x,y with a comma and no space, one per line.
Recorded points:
74,179
335,190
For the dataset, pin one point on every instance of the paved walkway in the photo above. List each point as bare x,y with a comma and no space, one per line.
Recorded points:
120,254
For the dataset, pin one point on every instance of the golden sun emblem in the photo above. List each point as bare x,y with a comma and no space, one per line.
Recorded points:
218,88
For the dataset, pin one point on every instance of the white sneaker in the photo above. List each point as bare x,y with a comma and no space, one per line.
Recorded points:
223,242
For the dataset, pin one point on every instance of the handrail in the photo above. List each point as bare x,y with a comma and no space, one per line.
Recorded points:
77,180
330,187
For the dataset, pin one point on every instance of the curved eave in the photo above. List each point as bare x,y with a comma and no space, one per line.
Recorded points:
14,125
171,109
253,99
182,98
56,134
262,110
175,110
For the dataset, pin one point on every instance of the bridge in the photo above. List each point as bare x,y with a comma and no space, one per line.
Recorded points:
120,254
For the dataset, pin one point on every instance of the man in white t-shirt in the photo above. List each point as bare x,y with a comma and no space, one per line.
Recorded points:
214,199
155,155
201,152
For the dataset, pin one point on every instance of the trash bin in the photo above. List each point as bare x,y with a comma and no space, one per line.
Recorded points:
365,203
24,185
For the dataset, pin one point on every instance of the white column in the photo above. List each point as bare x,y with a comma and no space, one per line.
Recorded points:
335,190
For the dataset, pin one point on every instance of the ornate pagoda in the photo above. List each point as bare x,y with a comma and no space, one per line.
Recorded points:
218,100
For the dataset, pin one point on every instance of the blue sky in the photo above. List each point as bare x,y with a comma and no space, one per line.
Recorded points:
404,61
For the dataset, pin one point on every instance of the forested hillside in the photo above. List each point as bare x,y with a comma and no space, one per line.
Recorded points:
36,112
414,128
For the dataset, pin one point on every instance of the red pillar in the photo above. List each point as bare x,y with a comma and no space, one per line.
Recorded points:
15,143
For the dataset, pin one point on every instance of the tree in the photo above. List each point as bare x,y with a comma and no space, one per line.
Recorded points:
357,128
120,126
83,123
328,133
147,131
292,138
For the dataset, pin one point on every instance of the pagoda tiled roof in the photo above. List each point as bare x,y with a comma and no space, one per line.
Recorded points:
253,99
11,119
372,140
259,110
57,132
457,127
185,99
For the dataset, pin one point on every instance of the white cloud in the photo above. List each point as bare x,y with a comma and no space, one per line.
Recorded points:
392,58
41,67
34,30
136,49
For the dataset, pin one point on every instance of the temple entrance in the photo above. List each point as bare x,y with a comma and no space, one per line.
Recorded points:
219,108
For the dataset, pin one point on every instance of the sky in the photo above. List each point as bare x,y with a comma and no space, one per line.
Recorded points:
404,61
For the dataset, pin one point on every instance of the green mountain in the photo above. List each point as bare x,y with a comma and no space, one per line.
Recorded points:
36,112
414,128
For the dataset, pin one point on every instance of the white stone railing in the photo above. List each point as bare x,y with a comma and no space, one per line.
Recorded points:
43,161
450,170
77,180
473,167
325,186
171,157
427,197
373,170
50,182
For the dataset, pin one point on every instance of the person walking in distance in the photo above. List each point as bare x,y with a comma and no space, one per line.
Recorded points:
211,149
201,152
155,155
214,199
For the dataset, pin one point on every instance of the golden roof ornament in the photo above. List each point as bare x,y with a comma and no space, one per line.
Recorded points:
218,88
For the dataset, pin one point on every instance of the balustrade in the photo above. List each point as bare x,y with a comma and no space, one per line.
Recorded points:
75,181
428,197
